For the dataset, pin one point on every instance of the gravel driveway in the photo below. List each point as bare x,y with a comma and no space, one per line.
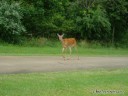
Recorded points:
26,64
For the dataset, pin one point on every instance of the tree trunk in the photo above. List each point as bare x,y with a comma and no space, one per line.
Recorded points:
113,35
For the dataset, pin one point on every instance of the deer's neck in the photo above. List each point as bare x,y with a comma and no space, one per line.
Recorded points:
62,40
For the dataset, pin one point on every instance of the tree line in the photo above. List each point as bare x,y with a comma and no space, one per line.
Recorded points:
104,21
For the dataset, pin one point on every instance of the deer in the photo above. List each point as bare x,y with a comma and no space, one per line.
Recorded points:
67,43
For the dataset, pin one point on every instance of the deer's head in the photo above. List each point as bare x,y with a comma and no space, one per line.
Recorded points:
60,37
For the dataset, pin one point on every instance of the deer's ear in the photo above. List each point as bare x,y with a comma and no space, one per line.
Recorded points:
58,34
63,34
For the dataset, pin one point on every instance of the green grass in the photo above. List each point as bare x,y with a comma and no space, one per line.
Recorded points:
20,50
77,83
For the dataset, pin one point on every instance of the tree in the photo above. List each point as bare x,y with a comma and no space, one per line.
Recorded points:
117,11
11,26
94,20
91,20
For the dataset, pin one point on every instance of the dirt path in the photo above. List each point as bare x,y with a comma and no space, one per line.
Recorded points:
24,64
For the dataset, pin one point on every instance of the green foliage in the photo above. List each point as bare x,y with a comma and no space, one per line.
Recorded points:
124,40
103,21
117,11
33,16
10,22
39,42
94,24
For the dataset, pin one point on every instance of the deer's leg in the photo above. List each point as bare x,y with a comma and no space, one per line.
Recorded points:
63,50
70,49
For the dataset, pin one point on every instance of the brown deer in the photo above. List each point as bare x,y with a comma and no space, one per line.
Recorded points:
68,43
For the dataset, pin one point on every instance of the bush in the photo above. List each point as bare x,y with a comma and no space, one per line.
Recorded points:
11,27
92,44
83,43
39,42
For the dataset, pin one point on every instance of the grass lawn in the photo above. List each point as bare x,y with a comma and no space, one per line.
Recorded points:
77,83
20,50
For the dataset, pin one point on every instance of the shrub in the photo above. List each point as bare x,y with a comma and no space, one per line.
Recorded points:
39,42
83,43
11,27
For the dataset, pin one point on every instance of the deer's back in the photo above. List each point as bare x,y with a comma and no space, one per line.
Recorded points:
69,42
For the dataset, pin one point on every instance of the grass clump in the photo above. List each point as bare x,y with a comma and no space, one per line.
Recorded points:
38,42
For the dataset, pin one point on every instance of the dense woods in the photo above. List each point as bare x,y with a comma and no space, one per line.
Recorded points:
103,21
